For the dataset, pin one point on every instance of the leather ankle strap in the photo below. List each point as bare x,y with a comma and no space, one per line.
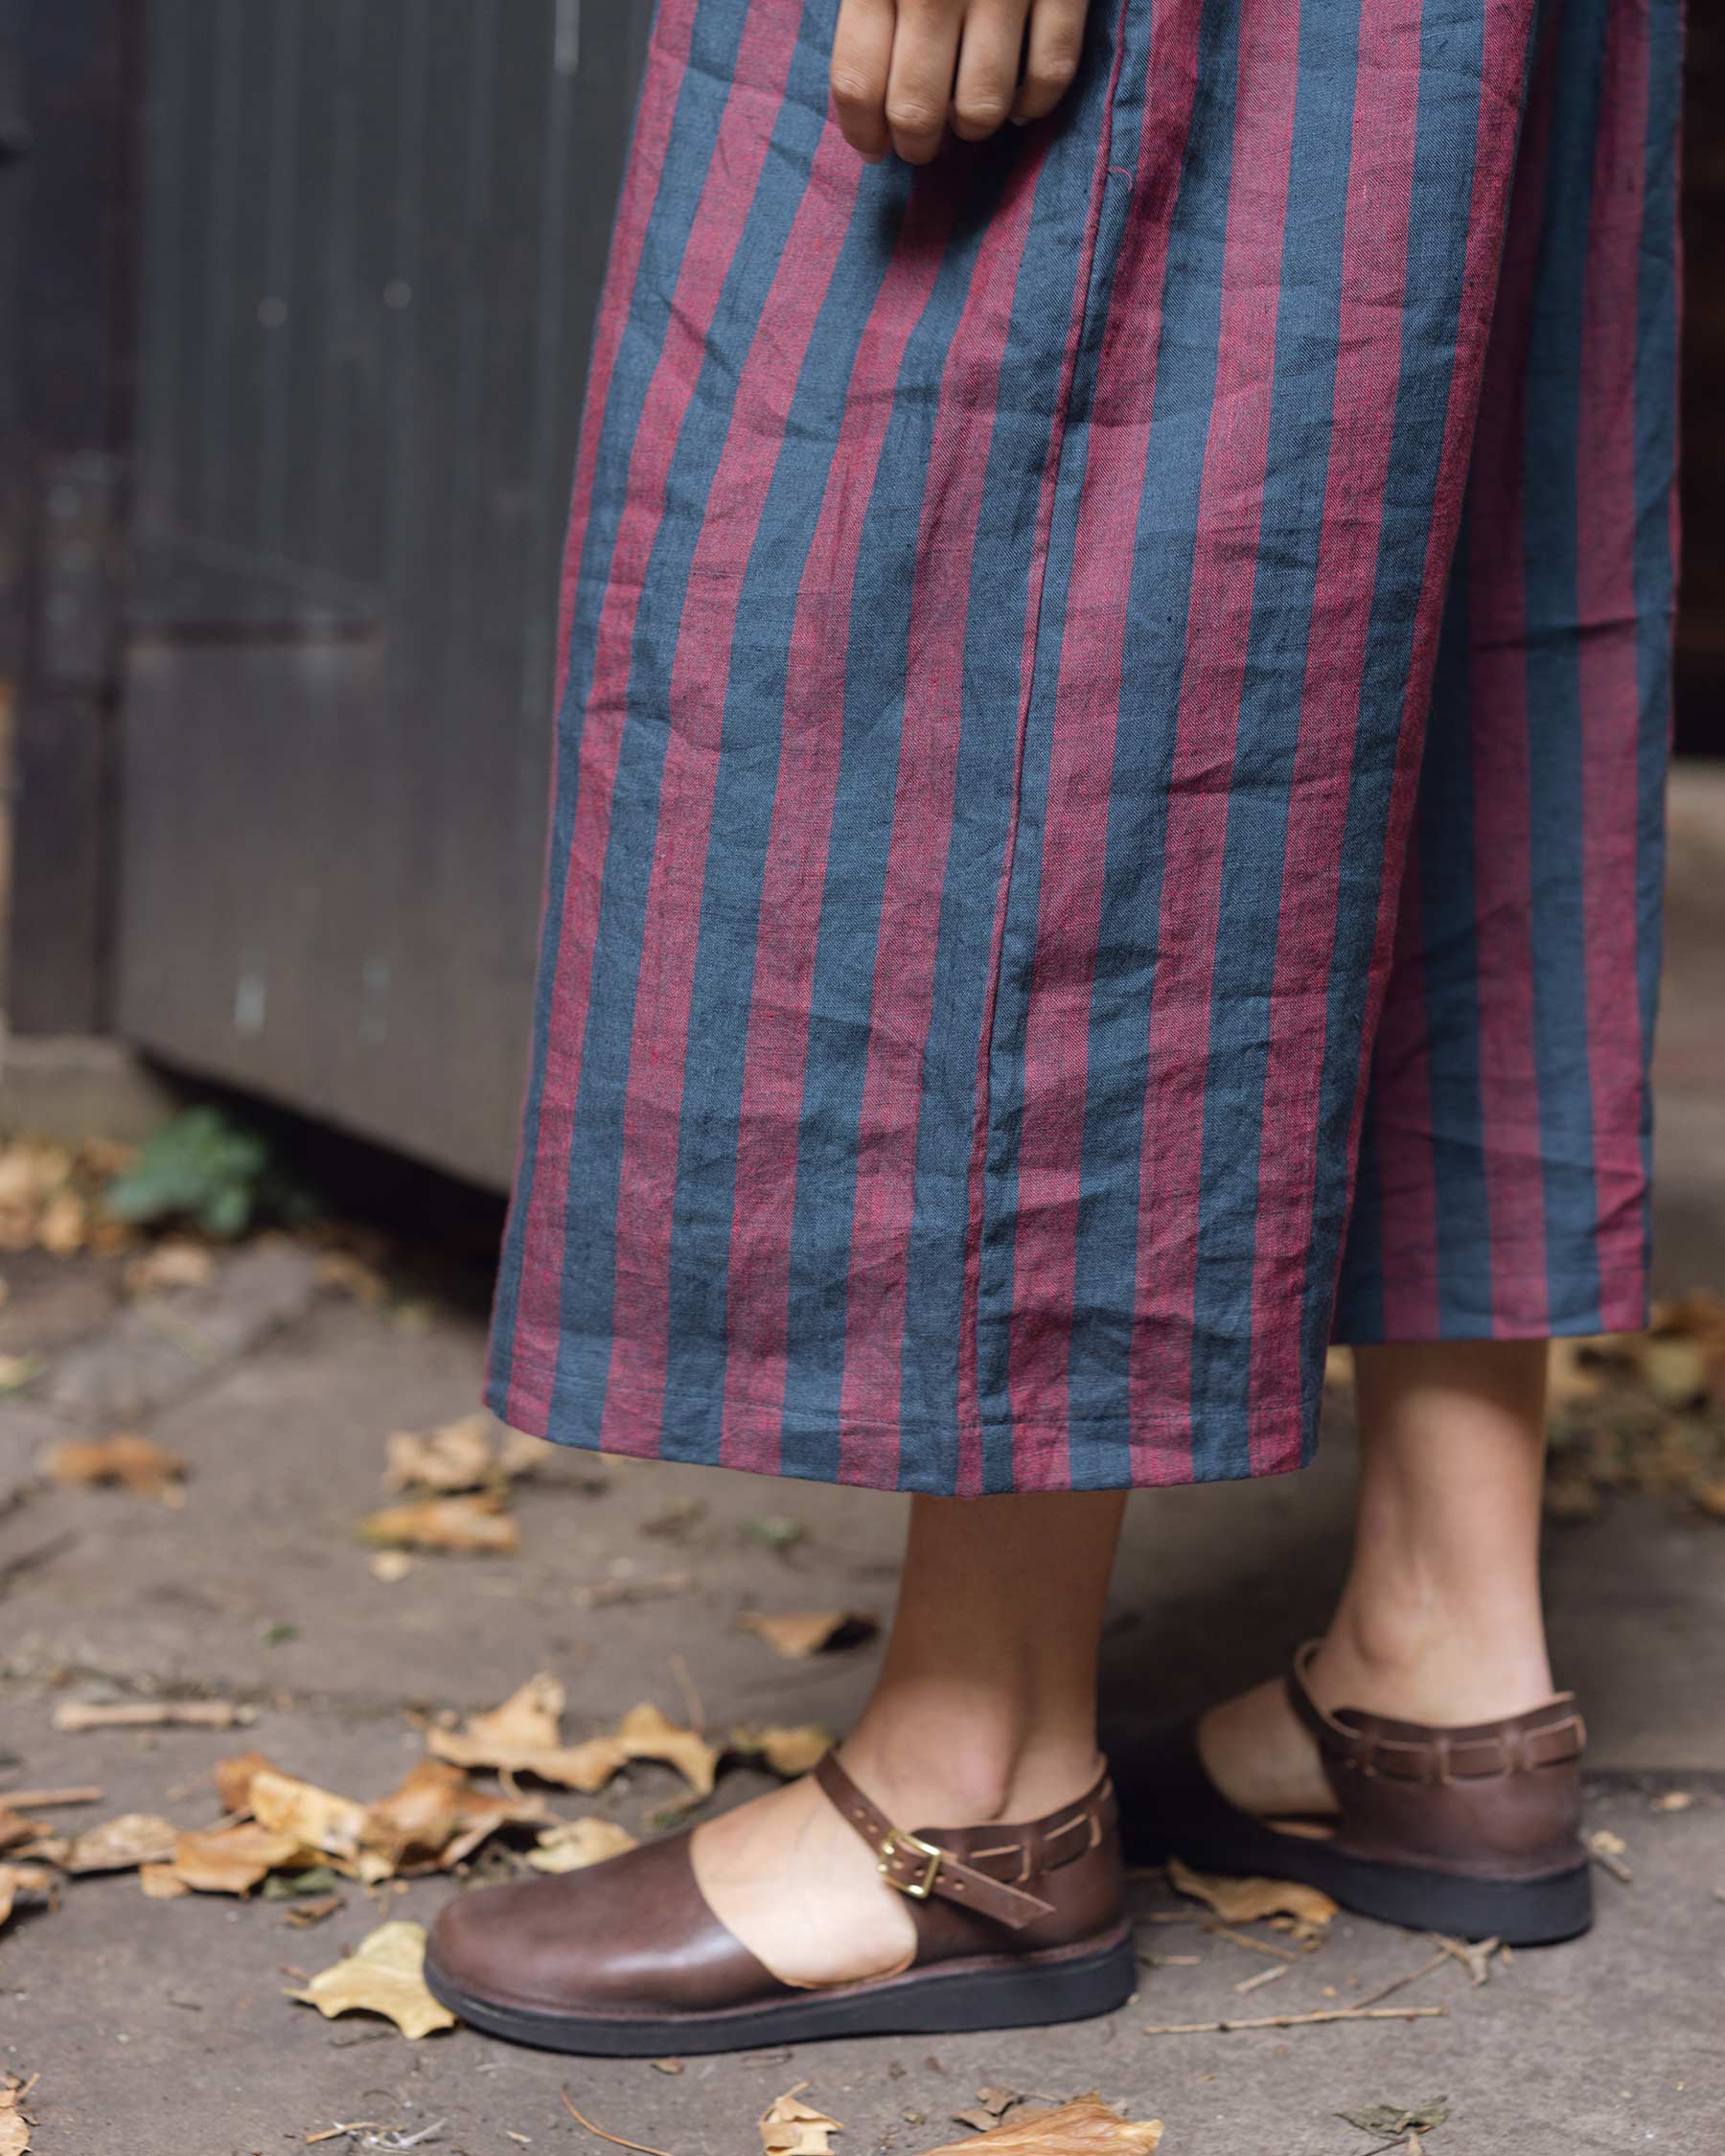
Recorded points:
1373,1744
991,1879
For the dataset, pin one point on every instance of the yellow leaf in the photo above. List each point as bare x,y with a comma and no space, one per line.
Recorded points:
137,1464
573,1844
1242,1901
798,1634
791,2127
1087,2126
384,1975
475,1525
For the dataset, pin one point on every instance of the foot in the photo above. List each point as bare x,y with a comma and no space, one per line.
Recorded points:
794,1882
1263,1759
791,1880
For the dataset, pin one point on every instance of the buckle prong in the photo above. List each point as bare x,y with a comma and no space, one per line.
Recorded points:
897,1839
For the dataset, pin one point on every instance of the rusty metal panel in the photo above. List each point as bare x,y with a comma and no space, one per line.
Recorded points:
373,237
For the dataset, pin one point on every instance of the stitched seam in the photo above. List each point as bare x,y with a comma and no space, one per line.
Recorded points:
970,1357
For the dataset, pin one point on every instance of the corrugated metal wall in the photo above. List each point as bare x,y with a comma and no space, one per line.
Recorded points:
372,231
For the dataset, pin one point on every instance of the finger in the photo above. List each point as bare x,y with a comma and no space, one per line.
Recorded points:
1056,38
988,63
862,55
919,83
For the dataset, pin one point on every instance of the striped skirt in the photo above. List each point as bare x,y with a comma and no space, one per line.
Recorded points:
1109,745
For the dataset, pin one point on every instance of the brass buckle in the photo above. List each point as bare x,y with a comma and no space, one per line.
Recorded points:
918,1889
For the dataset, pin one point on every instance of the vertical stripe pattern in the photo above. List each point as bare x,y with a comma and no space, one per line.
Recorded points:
1107,794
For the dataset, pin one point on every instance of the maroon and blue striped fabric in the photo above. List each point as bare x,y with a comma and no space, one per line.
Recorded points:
1002,878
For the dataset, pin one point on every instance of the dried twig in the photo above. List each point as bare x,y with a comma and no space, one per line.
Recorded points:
152,1714
1256,1945
1296,2021
616,2140
1608,1851
28,1561
600,1594
43,1799
691,1698
1475,1957
1412,1976
1258,1981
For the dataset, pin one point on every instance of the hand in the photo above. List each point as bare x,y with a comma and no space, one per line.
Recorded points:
902,68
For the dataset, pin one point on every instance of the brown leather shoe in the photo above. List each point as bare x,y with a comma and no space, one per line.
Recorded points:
1471,1831
1015,1925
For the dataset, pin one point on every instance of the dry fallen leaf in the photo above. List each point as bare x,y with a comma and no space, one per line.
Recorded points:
1612,1851
573,1844
224,1860
303,1914
17,1879
177,1262
65,1224
788,1752
471,1454
474,1526
791,2127
350,1276
14,2124
522,1736
456,1455
1087,2126
798,1634
310,1816
990,2107
137,1464
645,1734
121,1845
383,1975
434,1817
14,1827
234,1776
1242,1901
1388,2122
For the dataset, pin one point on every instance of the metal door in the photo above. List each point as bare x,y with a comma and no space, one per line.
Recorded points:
372,233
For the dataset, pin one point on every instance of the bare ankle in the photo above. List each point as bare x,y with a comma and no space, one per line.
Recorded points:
1423,1660
956,1770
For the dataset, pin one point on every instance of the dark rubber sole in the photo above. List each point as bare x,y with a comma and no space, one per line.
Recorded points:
1538,1911
1065,1984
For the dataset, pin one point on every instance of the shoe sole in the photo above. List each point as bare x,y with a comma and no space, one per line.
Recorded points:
1063,1983
1538,1911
